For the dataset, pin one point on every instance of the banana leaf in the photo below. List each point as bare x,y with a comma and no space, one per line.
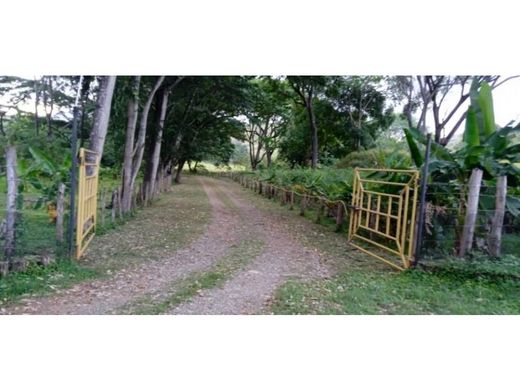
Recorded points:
485,101
471,132
414,149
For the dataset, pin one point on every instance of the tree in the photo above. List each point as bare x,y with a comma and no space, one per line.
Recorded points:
267,117
202,119
134,148
102,114
12,194
305,89
156,141
351,112
363,106
133,109
429,93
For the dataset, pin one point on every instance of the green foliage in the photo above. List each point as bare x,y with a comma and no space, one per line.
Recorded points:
471,134
489,150
493,150
414,149
202,119
240,155
389,158
350,113
334,184
44,175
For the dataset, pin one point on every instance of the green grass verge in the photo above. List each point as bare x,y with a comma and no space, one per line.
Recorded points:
451,287
38,280
238,256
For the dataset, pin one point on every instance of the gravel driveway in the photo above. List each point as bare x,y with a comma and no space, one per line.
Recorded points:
245,292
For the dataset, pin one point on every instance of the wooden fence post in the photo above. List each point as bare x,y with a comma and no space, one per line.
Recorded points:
60,206
495,234
114,201
303,205
103,206
340,215
321,211
120,203
141,194
10,219
470,219
134,200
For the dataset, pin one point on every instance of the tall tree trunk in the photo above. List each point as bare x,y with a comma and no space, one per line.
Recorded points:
49,113
132,112
36,103
12,192
102,114
495,235
268,156
85,88
179,171
314,132
468,231
141,137
158,141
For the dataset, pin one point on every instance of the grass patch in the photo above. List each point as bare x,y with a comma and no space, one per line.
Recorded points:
510,243
38,280
465,288
238,256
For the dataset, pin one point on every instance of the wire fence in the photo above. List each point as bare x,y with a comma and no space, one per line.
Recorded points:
443,219
41,223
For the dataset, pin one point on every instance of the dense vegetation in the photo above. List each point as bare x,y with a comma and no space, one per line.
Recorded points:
304,133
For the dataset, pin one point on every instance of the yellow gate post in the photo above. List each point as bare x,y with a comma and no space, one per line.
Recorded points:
87,199
393,229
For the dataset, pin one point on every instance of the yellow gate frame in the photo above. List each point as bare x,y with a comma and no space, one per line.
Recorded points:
370,207
87,199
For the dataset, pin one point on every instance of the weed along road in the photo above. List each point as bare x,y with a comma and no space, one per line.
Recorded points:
209,249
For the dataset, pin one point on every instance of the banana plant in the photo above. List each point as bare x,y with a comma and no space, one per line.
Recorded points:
43,174
487,153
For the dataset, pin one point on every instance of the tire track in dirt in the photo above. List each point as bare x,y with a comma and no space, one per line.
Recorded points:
250,289
106,295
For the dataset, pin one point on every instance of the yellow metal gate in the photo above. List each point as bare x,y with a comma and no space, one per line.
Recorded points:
382,217
87,199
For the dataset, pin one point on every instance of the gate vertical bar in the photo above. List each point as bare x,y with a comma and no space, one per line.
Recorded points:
81,195
352,219
73,168
411,242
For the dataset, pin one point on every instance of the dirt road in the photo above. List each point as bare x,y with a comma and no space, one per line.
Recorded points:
262,251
